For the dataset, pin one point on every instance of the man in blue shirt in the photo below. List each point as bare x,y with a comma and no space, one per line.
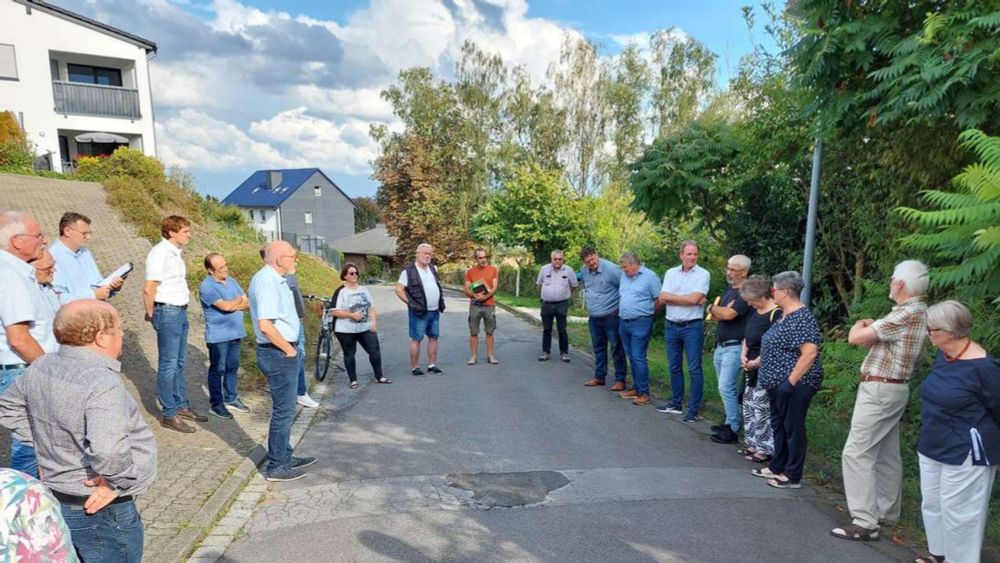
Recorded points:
638,291
276,328
600,280
77,275
223,301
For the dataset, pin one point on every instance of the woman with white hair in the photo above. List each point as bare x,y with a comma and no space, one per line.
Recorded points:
959,437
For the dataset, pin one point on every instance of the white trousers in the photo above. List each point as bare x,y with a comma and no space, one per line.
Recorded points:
956,500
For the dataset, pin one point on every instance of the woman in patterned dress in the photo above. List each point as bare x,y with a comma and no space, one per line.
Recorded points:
758,437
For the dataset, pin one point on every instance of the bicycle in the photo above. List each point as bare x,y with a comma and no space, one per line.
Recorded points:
324,344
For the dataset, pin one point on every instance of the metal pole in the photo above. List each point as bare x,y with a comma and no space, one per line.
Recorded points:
811,222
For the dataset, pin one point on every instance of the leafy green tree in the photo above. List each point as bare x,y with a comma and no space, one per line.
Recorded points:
366,213
684,70
580,83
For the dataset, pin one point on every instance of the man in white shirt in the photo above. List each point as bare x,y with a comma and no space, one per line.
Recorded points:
77,274
419,288
683,293
166,298
25,314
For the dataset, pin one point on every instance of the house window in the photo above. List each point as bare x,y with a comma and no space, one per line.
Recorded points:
317,191
94,75
8,62
309,217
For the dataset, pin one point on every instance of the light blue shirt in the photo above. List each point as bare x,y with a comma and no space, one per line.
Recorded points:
637,295
221,326
678,282
271,298
600,288
76,272
22,301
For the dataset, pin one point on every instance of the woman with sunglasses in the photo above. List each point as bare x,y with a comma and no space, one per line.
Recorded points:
357,322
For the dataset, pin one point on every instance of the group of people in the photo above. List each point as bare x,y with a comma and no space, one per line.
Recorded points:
765,332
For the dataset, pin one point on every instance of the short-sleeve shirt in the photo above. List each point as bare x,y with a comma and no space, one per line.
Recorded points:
757,325
732,329
165,265
780,350
902,335
557,285
356,301
484,275
431,291
637,295
22,301
678,282
221,326
271,299
600,288
960,410
76,272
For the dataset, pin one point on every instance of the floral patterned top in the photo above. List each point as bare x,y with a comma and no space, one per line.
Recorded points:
31,523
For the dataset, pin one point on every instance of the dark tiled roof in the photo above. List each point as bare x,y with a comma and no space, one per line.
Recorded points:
373,242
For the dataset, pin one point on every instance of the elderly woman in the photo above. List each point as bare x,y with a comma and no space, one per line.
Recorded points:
357,323
959,437
791,372
759,439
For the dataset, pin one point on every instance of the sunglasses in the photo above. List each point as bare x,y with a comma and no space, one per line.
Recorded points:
351,273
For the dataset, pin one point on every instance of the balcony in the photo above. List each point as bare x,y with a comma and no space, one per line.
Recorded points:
93,99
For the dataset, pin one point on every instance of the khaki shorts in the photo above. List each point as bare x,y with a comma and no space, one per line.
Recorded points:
487,314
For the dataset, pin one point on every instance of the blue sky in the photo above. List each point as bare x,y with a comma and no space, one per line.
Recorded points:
247,84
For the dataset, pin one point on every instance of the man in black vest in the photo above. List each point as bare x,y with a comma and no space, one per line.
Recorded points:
420,289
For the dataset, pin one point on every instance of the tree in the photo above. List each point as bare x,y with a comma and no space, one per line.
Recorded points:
366,214
685,73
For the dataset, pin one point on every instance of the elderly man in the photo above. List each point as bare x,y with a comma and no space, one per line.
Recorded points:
638,293
94,448
557,281
276,327
223,302
78,275
45,270
873,470
25,313
731,311
683,293
420,288
481,281
600,280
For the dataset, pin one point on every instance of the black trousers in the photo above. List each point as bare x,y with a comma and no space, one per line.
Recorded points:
369,341
789,405
558,312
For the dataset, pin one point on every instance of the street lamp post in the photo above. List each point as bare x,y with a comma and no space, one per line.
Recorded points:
810,251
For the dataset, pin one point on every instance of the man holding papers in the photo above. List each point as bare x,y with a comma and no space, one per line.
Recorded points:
77,276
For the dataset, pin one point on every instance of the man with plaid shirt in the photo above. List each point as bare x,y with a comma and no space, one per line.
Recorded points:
872,466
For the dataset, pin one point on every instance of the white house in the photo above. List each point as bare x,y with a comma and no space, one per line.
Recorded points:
76,86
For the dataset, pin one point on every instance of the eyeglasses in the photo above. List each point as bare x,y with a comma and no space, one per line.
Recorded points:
39,236
933,330
483,257
48,270
351,273
294,257
86,234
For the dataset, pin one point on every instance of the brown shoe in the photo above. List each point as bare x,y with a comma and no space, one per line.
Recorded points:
641,400
594,383
190,414
618,386
177,424
630,394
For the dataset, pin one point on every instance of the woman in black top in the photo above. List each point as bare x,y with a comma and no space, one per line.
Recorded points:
759,439
959,437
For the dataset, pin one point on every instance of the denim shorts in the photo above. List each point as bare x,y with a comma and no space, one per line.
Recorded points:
428,324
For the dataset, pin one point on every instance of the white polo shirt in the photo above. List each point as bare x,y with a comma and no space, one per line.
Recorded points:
165,265
678,282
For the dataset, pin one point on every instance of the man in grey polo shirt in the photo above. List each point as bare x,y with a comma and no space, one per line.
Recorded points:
557,281
93,447
600,280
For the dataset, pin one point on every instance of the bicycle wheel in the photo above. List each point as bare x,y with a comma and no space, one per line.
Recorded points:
322,355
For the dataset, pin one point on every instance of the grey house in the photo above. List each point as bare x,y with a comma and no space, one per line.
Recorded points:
303,206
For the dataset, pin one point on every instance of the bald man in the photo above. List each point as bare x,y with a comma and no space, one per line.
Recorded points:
276,327
93,447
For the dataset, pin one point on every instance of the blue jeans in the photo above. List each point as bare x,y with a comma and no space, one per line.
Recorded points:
428,324
114,534
171,325
22,457
223,366
635,340
686,340
281,373
727,368
302,358
604,333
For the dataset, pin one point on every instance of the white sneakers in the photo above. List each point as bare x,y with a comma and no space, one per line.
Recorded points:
307,401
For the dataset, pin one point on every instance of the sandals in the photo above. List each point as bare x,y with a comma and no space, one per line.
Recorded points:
757,458
931,558
764,472
746,451
853,532
782,482
383,380
354,385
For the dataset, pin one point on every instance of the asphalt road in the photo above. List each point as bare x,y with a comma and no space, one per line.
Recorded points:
520,462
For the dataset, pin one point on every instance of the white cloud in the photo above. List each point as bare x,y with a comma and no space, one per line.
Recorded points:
194,139
344,147
364,103
191,84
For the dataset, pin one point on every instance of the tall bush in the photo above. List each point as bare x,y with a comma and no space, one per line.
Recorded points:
16,155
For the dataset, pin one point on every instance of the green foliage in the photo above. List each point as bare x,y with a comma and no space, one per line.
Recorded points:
124,162
367,214
16,156
374,265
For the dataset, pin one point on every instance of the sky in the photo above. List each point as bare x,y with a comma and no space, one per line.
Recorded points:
241,85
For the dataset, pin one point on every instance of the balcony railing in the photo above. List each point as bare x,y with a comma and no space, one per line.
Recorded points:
94,99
